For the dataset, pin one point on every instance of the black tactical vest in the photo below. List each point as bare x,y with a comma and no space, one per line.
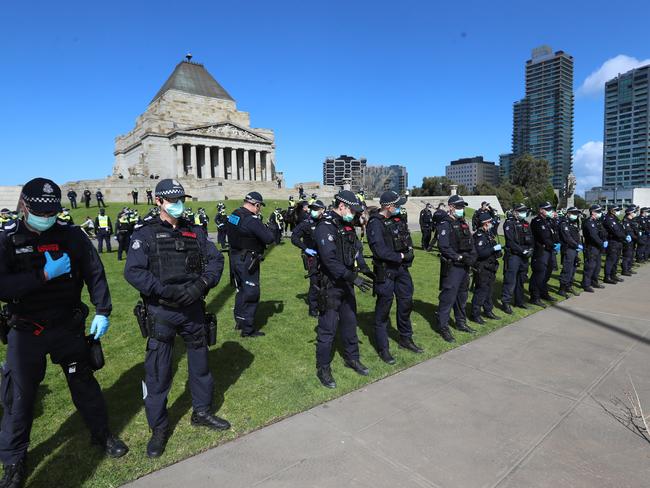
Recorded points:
524,234
461,236
346,250
175,255
238,241
396,234
28,256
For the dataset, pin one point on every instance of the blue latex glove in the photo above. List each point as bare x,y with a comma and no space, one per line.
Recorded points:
310,252
556,247
605,244
628,238
497,248
56,267
100,325
580,248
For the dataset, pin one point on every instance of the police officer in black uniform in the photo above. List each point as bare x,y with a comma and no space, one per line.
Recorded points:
426,225
392,249
595,243
631,229
643,222
303,238
173,265
569,231
339,255
72,196
43,267
221,219
123,231
99,196
616,237
457,255
87,197
488,252
545,246
248,238
519,248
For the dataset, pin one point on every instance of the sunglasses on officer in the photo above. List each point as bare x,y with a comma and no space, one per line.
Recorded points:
172,199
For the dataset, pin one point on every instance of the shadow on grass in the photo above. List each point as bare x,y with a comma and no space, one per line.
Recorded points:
266,310
366,322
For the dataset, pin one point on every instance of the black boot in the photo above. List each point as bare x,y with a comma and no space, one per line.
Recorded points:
157,443
597,285
407,343
385,356
491,315
255,333
357,366
609,281
14,475
506,308
477,318
562,291
522,305
626,273
463,327
445,333
617,279
538,302
324,374
549,298
206,419
112,446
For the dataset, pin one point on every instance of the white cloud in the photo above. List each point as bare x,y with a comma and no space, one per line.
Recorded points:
588,166
594,84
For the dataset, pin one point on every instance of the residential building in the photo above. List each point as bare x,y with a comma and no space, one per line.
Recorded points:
343,171
505,165
472,171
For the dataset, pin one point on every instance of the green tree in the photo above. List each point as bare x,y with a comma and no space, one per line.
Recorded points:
579,202
531,174
485,189
435,186
509,195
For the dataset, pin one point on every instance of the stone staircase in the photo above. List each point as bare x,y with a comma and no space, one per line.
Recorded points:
9,196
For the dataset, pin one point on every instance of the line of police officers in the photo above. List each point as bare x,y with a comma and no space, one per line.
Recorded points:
45,262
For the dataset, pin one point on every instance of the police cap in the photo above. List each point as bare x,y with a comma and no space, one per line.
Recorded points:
317,204
42,196
595,208
254,198
484,217
630,209
456,201
391,198
169,188
615,208
520,207
573,210
545,206
350,199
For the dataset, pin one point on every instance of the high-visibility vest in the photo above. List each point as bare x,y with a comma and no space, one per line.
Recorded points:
103,221
197,219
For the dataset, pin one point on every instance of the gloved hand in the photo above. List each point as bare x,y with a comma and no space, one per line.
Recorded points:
605,244
56,267
409,256
99,326
310,252
368,272
628,239
191,293
363,284
580,248
556,247
497,248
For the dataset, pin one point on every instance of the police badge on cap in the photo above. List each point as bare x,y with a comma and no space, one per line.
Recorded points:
42,196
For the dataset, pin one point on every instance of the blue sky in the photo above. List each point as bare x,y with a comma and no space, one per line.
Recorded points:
413,82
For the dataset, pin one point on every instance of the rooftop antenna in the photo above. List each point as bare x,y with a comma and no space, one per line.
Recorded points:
188,56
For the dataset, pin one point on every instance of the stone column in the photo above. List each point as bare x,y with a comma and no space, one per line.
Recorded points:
221,173
207,164
269,171
193,166
258,166
247,168
180,163
233,164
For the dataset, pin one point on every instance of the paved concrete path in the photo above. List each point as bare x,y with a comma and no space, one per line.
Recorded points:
530,405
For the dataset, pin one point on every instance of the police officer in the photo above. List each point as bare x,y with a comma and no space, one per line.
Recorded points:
200,218
616,237
72,196
104,229
631,229
43,267
149,196
643,223
519,248
569,232
476,223
488,252
303,238
123,231
457,254
220,219
173,265
438,216
5,218
87,197
392,250
99,196
426,224
134,194
339,253
65,217
248,238
595,243
545,246
276,223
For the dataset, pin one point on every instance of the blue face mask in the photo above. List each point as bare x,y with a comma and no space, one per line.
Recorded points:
348,218
314,214
459,212
397,211
573,218
175,209
522,215
40,224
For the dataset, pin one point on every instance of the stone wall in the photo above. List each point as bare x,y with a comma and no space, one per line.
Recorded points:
9,196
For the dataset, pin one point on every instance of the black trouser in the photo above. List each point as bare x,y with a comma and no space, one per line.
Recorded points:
515,276
483,285
642,248
455,288
614,249
628,257
592,266
221,236
135,198
123,239
149,199
100,202
24,370
426,237
87,200
248,289
541,266
103,236
73,202
341,311
189,323
398,282
568,267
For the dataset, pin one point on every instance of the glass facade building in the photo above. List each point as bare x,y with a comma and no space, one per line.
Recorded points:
626,148
543,120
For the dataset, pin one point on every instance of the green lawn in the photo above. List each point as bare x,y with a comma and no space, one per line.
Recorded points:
257,381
